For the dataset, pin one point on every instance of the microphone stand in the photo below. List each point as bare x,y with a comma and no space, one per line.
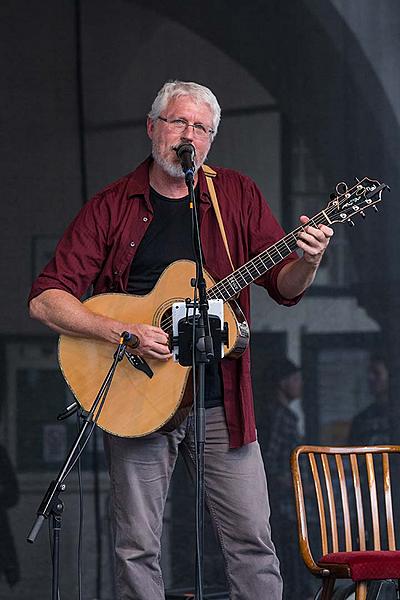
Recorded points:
51,503
203,351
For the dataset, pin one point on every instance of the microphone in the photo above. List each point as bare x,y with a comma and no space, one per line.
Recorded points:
186,154
136,361
131,339
126,337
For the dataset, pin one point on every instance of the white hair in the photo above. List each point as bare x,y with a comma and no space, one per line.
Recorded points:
199,93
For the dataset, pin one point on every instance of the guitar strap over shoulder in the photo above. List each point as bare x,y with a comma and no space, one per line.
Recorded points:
210,174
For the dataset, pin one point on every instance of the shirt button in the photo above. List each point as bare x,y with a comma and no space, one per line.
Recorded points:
132,244
145,219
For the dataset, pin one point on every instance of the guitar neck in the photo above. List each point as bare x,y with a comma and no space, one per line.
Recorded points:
234,283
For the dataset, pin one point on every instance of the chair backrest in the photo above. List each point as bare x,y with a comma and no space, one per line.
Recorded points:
348,490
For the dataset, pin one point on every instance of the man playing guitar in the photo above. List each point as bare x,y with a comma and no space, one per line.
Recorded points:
123,240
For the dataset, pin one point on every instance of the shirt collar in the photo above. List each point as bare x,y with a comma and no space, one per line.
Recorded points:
139,184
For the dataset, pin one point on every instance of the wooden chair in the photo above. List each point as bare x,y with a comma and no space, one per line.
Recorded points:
348,491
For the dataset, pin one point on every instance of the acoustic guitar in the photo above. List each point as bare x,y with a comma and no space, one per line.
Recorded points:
139,404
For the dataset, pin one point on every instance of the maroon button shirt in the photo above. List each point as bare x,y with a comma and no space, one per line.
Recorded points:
99,245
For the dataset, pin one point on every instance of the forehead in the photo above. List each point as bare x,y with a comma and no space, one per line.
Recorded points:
187,107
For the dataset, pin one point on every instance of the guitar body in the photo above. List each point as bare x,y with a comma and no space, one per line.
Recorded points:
137,405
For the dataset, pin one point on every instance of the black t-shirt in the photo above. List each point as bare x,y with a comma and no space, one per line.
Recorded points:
167,239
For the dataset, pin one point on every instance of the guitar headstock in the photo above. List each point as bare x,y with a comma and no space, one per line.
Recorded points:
348,202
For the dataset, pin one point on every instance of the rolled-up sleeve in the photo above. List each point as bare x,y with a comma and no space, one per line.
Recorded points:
265,231
79,254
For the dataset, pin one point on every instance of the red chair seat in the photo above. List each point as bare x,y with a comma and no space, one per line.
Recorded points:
367,565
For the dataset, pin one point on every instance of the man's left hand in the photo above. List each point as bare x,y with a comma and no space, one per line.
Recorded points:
313,241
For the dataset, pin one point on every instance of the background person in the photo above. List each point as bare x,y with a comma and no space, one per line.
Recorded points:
285,385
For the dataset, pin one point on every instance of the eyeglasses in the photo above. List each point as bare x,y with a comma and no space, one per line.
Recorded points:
179,125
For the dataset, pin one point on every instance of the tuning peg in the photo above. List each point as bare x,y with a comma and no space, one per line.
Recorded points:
341,188
362,213
375,208
350,222
356,180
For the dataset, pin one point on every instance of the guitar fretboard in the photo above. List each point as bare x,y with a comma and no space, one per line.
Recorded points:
231,285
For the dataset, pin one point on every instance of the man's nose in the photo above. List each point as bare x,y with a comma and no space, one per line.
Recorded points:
187,134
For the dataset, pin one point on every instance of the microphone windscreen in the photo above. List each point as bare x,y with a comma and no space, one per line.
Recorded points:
185,148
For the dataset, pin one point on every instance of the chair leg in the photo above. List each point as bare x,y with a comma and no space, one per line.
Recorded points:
327,588
361,590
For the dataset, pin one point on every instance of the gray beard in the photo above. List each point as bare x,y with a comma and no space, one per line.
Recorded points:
173,169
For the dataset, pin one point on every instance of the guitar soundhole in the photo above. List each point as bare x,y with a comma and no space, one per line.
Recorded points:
163,315
166,321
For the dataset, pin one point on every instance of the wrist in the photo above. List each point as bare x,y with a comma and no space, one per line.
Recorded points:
311,262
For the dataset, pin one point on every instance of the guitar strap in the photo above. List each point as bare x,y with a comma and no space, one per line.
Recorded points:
210,174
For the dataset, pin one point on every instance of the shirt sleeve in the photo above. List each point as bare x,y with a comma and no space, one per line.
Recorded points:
265,231
79,254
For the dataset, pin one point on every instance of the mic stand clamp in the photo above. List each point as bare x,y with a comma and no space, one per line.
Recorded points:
189,177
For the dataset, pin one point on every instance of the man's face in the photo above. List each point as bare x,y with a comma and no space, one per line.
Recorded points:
292,386
165,139
378,378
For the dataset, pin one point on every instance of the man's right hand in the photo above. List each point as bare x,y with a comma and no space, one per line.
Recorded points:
153,341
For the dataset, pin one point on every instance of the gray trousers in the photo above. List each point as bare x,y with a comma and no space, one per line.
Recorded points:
237,498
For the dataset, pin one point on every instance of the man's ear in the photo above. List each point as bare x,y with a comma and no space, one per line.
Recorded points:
150,127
